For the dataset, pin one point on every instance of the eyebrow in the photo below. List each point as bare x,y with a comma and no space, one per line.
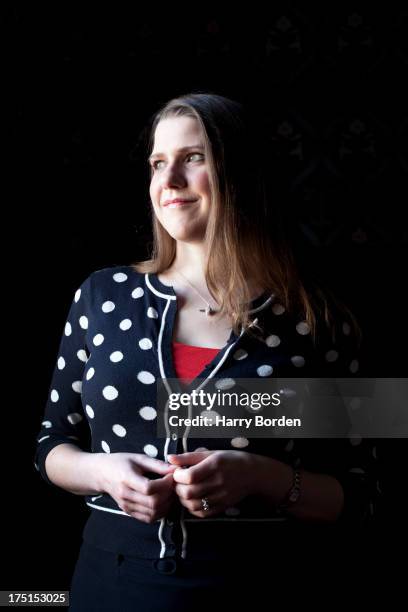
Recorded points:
197,146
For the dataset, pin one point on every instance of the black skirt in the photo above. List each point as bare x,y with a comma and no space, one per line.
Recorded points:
106,581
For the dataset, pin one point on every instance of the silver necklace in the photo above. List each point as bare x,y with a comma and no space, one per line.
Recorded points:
209,310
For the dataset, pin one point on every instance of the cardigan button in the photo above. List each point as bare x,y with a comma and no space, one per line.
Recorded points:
165,566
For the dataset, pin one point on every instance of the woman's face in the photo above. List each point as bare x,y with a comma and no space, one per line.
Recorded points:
179,170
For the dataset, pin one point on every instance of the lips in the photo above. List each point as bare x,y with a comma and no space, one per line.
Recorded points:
177,203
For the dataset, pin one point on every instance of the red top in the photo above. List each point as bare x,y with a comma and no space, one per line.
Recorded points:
190,360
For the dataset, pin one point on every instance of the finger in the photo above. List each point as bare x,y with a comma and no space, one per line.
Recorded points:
195,473
195,491
136,509
155,498
145,502
150,514
188,458
145,518
149,464
216,503
150,487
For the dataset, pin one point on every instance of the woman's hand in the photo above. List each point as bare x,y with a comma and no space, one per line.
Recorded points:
123,477
223,477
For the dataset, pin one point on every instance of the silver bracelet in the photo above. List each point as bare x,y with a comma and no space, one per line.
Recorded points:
293,495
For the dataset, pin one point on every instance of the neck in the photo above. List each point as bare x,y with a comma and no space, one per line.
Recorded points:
191,260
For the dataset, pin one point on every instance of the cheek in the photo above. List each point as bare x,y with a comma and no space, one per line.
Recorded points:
154,199
152,190
202,182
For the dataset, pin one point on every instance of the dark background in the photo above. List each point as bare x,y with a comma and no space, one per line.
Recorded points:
330,82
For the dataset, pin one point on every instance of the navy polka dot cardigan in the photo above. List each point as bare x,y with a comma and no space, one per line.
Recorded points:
117,342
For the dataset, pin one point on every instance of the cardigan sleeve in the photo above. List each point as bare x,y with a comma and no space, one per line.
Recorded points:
350,457
64,419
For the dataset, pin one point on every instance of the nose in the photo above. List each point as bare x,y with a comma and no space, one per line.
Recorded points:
172,176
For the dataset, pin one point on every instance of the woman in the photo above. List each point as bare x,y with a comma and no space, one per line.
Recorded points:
220,299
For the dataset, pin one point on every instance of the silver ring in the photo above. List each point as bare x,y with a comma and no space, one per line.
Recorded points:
205,503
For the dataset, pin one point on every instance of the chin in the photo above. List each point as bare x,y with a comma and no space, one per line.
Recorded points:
186,234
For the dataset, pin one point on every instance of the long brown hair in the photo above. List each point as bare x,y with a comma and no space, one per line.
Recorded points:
244,234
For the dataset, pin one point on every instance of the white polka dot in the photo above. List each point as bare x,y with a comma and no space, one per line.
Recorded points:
89,412
77,386
137,293
116,356
225,383
105,446
77,295
278,309
264,370
148,413
61,363
146,378
240,354
110,393
120,277
54,395
355,439
331,356
289,446
119,430
83,321
354,365
287,392
82,356
272,341
152,313
46,424
68,329
108,307
74,418
303,328
298,361
150,450
90,373
232,511
145,344
239,442
346,329
210,416
98,339
125,324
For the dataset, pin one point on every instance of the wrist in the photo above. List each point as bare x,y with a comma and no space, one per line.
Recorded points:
273,479
93,466
293,494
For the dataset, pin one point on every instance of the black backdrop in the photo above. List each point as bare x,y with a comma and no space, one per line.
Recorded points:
330,82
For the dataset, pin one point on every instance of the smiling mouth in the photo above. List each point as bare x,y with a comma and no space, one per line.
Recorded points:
180,204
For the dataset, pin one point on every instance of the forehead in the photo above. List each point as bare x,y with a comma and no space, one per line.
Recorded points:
175,132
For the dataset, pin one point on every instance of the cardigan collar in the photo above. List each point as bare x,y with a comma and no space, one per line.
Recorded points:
167,292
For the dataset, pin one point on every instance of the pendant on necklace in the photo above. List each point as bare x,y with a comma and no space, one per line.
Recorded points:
208,311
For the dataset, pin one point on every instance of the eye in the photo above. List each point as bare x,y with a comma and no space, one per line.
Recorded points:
195,154
154,165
